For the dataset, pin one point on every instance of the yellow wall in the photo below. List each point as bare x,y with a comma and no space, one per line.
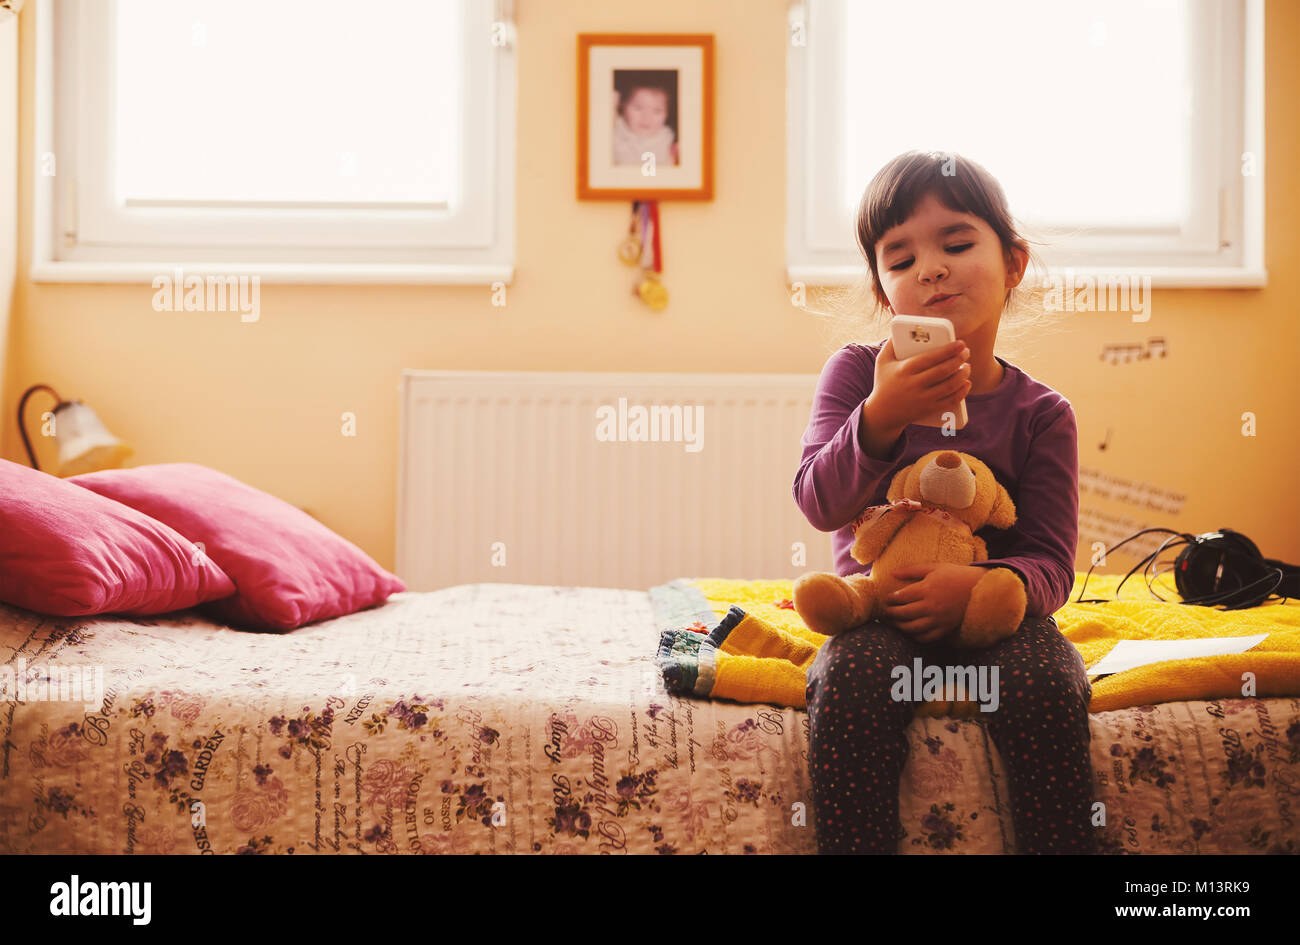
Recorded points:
8,192
262,401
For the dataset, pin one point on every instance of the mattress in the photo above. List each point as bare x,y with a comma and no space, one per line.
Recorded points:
500,718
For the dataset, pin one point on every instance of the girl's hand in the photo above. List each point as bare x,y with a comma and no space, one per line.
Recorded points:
920,386
935,602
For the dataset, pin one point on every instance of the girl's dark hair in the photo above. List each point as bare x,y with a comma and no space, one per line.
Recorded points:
628,81
961,185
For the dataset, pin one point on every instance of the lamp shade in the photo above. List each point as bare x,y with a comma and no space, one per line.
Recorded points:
84,443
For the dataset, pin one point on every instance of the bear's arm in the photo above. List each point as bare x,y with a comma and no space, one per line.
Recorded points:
872,537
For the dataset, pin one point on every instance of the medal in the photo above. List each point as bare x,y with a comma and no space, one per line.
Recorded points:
650,290
641,248
653,293
629,251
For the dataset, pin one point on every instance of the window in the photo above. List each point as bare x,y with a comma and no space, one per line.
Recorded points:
1127,135
313,140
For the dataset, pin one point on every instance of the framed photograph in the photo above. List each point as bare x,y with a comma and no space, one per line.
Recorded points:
645,116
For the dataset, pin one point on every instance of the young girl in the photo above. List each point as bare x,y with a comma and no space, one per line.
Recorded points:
939,240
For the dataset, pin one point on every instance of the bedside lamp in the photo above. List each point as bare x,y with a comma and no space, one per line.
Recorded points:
83,441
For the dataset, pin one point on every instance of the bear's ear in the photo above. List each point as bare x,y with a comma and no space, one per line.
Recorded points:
1003,513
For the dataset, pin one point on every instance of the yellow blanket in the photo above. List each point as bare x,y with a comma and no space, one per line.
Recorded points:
754,647
1273,664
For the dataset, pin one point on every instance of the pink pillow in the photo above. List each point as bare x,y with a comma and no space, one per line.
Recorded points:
288,568
71,553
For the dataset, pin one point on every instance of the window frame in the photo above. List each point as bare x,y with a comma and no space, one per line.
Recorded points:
78,234
1229,35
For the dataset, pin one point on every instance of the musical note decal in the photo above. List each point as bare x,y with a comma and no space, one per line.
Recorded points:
1124,353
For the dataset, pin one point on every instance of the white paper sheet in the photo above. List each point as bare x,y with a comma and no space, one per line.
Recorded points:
1128,654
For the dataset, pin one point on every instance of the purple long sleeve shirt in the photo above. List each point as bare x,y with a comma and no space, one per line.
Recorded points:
1023,431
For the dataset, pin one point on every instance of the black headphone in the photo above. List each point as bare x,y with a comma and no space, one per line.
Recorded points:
1217,569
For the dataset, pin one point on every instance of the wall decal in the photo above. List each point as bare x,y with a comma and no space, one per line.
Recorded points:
1124,353
1143,494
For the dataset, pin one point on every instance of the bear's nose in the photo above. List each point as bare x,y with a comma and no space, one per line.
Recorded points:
947,481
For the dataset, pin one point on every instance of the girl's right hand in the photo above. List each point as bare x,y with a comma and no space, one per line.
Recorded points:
918,387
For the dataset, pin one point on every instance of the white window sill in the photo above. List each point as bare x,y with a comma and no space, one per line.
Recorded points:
1209,277
287,273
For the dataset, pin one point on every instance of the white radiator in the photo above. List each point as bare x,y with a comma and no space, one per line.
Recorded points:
503,478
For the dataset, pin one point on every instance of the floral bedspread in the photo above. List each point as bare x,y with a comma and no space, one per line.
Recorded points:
502,718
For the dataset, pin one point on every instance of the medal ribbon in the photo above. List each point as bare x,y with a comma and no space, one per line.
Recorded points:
654,223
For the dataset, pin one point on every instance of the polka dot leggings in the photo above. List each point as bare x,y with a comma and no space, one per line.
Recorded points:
859,745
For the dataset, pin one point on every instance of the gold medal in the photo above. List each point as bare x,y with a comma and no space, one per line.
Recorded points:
653,293
641,247
630,251
631,248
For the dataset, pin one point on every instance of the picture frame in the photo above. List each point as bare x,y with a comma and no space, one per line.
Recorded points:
645,116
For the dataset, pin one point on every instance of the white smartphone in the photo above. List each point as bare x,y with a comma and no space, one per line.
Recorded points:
918,334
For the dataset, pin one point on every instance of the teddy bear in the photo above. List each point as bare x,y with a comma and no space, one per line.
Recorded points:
936,506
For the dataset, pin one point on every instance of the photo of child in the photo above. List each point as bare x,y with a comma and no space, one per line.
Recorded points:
645,115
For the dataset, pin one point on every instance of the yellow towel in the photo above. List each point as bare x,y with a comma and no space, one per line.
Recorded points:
766,656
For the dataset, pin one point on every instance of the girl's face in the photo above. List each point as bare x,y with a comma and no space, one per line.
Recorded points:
937,251
646,110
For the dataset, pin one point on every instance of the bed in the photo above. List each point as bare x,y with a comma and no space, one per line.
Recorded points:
515,718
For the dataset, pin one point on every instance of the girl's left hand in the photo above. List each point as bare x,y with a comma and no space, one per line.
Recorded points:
934,603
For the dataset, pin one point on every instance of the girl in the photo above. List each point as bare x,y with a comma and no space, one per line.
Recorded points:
937,235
